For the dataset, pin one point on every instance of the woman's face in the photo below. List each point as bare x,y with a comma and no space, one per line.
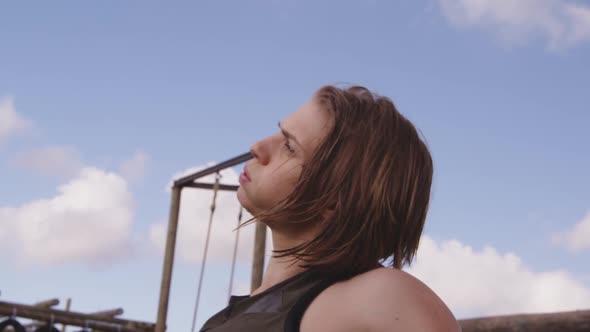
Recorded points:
278,159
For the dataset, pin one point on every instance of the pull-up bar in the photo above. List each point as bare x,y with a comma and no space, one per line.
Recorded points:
189,181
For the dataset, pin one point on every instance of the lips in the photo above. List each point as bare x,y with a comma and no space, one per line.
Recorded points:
246,173
244,176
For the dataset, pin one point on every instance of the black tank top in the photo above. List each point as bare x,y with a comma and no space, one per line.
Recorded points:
279,308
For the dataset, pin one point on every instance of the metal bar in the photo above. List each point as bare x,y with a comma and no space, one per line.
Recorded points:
74,318
572,321
182,182
227,187
168,260
258,259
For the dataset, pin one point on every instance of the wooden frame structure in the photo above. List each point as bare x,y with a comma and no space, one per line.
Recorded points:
171,234
101,321
575,321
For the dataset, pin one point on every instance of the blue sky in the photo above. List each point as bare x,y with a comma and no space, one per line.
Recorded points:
103,103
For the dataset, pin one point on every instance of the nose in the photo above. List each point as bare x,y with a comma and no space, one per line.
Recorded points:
260,152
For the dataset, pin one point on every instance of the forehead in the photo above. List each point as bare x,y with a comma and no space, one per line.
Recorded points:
310,124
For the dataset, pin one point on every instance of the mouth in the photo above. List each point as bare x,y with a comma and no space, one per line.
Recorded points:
245,177
246,173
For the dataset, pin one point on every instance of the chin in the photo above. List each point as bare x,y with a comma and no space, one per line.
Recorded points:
246,202
241,195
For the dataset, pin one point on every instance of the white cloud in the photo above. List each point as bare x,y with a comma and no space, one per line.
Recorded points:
577,238
62,161
133,169
10,121
475,283
89,220
195,208
563,23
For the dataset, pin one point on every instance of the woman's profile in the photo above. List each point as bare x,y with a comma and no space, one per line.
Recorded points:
344,186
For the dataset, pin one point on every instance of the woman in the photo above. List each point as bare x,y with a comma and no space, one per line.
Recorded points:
344,186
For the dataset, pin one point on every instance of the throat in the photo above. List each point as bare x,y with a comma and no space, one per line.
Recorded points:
277,271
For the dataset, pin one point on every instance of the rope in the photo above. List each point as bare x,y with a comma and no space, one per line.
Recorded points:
215,189
233,262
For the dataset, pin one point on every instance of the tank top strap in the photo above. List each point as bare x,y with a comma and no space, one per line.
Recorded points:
294,316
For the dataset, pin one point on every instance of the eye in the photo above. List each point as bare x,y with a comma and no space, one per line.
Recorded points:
288,147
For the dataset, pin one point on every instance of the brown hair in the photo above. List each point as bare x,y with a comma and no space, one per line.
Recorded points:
374,172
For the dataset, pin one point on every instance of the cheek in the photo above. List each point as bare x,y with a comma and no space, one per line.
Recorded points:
274,186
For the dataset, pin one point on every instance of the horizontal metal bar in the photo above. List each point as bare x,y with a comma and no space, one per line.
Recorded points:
227,187
184,181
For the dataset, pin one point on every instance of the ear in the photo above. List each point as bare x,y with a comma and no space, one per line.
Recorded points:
329,212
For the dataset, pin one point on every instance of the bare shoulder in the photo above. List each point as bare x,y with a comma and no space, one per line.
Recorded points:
379,300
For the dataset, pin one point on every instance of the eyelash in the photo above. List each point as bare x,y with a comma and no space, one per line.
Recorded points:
288,147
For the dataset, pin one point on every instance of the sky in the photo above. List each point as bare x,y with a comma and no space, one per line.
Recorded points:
104,103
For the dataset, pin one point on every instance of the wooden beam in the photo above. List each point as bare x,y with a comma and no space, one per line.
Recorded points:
572,321
105,313
74,318
109,313
43,304
47,304
168,260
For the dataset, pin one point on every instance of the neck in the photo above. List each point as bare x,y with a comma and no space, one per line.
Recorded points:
280,269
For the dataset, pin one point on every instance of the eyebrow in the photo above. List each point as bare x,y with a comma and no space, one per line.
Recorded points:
289,135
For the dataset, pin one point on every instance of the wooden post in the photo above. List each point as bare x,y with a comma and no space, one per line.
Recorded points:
258,259
68,305
168,260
